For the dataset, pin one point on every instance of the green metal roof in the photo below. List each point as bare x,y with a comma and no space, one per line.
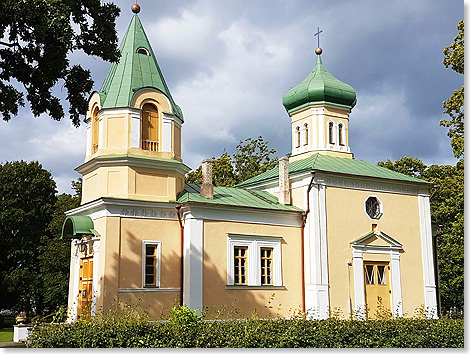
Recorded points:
332,164
233,196
134,71
319,87
76,226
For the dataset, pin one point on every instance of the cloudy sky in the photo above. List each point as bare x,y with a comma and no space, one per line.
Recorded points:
228,63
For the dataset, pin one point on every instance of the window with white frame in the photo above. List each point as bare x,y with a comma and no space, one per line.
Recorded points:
151,262
254,260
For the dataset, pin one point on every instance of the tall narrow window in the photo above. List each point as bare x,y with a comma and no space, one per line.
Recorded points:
266,266
297,133
330,133
95,131
306,133
149,127
150,275
340,134
240,264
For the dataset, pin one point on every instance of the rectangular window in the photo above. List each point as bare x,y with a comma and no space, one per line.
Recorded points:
151,263
266,266
240,264
254,260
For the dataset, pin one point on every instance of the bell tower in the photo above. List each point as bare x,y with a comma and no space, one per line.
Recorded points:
133,146
319,108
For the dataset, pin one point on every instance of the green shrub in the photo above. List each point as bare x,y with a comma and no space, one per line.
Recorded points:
127,328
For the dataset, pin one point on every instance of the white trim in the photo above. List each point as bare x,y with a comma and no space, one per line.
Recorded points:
395,276
159,262
167,133
76,278
88,137
100,130
193,261
359,287
146,290
120,111
430,299
254,244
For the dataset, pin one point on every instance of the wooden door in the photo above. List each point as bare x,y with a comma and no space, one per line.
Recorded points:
377,287
85,286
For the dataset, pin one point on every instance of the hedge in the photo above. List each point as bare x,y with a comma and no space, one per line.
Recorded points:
186,329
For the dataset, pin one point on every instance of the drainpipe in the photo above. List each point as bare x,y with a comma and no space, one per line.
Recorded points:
302,230
178,208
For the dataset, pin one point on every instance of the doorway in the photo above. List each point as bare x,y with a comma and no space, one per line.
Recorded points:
85,287
377,288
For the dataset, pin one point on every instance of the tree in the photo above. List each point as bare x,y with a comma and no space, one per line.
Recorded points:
454,57
36,38
27,200
54,258
252,157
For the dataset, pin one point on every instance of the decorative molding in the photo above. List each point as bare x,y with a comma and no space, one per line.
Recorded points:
146,290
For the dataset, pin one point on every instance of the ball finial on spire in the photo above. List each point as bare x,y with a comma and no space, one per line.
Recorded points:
318,51
135,8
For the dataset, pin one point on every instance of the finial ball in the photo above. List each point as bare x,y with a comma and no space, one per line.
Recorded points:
318,51
135,8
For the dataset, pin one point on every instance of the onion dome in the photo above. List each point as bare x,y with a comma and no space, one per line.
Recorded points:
319,87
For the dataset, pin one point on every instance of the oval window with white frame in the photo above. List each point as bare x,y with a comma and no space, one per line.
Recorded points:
373,207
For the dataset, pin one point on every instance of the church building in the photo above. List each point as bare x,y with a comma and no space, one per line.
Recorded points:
323,232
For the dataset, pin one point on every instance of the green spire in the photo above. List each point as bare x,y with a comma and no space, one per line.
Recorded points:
136,69
319,87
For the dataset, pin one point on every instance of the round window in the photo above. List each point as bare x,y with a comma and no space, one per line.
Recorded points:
373,208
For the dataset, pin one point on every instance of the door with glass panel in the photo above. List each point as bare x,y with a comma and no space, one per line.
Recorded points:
377,287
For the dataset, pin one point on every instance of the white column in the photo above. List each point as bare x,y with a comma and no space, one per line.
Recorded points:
96,275
167,133
359,290
430,299
396,284
135,129
193,261
88,137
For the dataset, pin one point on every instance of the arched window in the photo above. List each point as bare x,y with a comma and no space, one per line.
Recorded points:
306,134
330,133
95,131
297,132
340,134
149,127
143,51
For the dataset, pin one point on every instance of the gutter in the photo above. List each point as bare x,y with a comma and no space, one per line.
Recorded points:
302,231
178,208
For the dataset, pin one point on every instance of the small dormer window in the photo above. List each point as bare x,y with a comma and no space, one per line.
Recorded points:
142,50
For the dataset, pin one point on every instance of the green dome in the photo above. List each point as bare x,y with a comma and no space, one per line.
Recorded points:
317,88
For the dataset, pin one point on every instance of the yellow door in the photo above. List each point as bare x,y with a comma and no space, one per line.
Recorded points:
377,285
85,287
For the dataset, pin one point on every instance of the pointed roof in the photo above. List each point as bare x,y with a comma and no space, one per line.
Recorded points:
137,68
319,87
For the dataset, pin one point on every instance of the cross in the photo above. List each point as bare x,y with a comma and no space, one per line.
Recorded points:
318,34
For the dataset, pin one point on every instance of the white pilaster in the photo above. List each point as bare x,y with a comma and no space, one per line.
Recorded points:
359,290
316,260
88,137
135,129
193,261
321,129
101,131
167,133
430,299
396,283
75,275
96,274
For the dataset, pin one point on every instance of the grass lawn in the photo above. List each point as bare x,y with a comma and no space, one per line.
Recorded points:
6,335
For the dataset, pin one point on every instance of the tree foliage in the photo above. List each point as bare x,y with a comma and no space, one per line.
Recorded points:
447,209
37,37
252,157
27,199
454,106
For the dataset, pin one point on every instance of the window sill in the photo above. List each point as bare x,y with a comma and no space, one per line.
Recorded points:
146,289
254,287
